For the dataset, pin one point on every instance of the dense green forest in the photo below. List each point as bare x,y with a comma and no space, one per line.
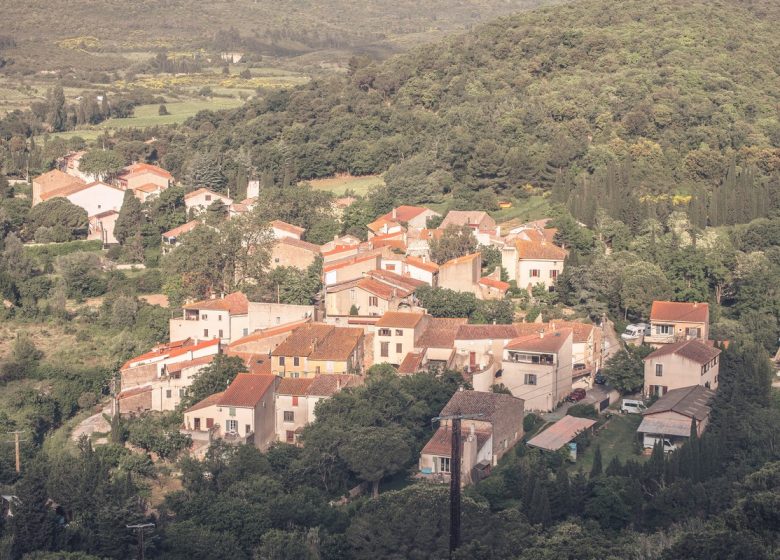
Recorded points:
667,100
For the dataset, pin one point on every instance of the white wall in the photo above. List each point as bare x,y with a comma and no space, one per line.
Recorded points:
98,198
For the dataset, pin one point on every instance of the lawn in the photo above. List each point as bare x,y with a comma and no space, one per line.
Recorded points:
616,439
339,184
523,210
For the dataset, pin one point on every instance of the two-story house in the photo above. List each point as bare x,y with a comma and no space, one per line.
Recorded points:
54,180
374,295
395,334
484,440
414,217
476,219
351,268
283,230
681,364
317,348
674,321
533,261
243,413
223,318
200,199
144,175
538,368
291,251
462,274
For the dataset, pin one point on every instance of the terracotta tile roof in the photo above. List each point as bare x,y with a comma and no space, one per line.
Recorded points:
375,287
208,401
421,264
411,363
56,179
465,217
388,277
486,332
338,345
290,386
550,342
426,234
247,390
199,346
300,244
327,385
284,226
492,405
440,333
461,260
138,168
179,366
182,229
391,241
258,364
680,311
561,433
235,303
350,261
539,250
267,333
689,401
134,392
376,225
65,191
440,445
581,331
404,213
172,349
105,214
493,283
340,249
148,188
400,319
694,350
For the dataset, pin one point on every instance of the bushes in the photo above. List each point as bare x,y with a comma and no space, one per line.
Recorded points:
583,410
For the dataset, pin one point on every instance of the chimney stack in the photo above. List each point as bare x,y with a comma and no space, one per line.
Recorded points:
395,213
541,333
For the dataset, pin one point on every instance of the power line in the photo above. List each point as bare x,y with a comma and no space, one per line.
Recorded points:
139,529
17,448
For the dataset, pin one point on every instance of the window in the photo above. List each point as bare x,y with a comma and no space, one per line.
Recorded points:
181,392
281,360
245,332
296,361
384,332
232,410
276,259
553,274
384,349
664,329
219,317
220,334
231,425
443,464
352,295
295,375
247,428
204,316
659,370
295,400
391,267
373,301
530,379
167,393
208,197
399,348
196,422
535,273
289,416
399,332
289,436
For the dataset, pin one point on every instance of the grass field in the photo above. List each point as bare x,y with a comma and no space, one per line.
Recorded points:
522,210
616,439
340,184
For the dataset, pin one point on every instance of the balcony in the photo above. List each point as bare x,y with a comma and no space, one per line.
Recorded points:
658,338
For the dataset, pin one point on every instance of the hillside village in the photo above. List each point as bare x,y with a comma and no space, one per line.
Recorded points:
368,315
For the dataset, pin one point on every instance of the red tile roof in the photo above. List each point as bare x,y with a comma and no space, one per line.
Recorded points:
284,226
56,179
247,390
404,282
182,229
486,332
235,303
300,244
411,363
139,168
539,250
440,445
179,366
440,333
267,333
319,341
162,351
550,342
148,188
327,385
400,319
491,405
208,401
690,401
493,283
680,311
421,264
404,213
376,225
290,386
465,217
694,350
349,261
462,260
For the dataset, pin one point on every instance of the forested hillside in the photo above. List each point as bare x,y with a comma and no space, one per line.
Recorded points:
659,100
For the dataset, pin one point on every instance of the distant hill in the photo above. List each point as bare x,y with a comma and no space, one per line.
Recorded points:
678,91
110,34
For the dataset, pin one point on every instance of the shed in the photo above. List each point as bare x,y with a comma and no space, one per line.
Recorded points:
561,433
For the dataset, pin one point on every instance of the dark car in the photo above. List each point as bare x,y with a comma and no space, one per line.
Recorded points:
600,379
576,395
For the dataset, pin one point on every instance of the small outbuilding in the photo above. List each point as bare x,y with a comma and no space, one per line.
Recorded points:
561,433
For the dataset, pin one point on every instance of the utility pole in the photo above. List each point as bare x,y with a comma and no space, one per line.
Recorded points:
17,448
455,467
139,529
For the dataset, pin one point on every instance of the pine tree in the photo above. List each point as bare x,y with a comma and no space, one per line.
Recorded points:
130,219
34,524
595,470
560,502
614,468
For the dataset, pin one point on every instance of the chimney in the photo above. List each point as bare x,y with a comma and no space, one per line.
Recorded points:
541,333
695,303
395,213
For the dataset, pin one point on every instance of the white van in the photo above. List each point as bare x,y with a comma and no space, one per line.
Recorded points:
630,406
651,439
635,331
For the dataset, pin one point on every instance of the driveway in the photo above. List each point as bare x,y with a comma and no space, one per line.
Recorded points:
95,423
593,395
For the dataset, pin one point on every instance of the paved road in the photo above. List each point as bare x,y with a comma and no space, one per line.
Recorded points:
596,394
95,423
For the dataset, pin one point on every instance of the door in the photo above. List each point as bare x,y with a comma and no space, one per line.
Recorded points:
196,423
209,423
472,361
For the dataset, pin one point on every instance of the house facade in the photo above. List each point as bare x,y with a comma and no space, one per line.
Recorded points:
532,262
97,198
477,220
291,251
142,174
317,348
681,364
414,217
673,321
671,417
282,230
538,368
462,274
395,334
101,227
224,318
200,199
51,181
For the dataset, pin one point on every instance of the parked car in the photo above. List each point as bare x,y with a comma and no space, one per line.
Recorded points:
600,379
635,331
631,406
576,395
649,441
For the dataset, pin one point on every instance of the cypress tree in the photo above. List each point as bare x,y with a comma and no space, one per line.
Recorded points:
539,508
130,219
596,469
34,524
614,468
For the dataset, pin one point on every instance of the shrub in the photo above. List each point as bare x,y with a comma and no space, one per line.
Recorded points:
583,410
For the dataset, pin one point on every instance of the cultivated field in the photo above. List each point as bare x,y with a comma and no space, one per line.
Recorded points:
340,184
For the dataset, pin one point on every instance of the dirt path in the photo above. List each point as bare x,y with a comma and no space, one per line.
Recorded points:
95,423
